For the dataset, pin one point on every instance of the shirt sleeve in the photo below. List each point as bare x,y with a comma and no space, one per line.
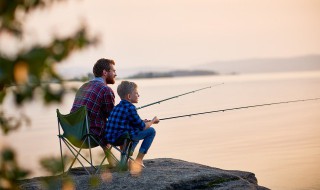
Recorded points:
135,120
109,102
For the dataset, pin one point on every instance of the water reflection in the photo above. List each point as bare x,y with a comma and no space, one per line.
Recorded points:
280,144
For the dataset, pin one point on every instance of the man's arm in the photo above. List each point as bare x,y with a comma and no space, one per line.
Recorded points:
109,102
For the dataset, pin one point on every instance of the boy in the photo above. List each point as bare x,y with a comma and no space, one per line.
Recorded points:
124,118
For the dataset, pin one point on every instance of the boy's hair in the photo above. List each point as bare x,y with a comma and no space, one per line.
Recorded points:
100,65
125,88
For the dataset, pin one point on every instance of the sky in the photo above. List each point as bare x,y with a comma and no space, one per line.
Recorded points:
166,34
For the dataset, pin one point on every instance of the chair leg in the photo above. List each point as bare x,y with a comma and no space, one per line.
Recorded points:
75,150
125,154
62,161
76,157
90,150
107,153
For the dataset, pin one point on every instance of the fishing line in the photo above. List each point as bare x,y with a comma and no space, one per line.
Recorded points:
158,102
237,108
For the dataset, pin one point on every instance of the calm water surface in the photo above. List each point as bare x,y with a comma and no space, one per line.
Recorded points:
280,143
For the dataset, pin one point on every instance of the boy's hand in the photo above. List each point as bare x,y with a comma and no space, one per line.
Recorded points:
155,120
148,123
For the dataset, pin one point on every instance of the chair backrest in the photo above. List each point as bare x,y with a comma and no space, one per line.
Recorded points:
74,125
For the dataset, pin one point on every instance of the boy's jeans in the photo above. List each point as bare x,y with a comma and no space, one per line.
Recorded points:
147,136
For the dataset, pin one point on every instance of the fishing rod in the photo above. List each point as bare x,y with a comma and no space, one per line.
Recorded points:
158,102
237,108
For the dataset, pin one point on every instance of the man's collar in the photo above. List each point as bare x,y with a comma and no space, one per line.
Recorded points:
100,79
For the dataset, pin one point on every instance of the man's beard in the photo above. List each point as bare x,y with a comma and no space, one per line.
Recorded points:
110,80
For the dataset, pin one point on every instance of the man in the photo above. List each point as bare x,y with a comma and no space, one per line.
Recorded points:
98,97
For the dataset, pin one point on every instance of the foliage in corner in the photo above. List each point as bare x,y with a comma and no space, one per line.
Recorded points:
32,69
10,171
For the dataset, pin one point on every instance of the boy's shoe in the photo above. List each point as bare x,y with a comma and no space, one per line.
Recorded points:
133,161
135,168
142,165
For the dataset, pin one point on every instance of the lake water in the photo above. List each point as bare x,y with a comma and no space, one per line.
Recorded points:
279,143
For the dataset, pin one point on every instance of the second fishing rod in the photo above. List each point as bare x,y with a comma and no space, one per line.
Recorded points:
238,108
177,96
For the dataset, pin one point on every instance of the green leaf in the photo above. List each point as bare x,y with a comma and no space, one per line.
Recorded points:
7,155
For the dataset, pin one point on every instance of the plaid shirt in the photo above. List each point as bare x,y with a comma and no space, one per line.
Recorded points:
124,117
99,99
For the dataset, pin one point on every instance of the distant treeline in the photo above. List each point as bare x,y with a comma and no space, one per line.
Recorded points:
82,78
178,73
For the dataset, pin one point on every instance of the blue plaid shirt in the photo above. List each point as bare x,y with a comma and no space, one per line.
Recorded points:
123,118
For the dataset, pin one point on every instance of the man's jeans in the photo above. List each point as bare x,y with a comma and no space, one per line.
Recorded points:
147,136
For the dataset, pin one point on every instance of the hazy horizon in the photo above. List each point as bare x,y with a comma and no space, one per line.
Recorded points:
241,66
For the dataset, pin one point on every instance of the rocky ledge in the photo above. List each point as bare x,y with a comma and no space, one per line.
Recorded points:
162,173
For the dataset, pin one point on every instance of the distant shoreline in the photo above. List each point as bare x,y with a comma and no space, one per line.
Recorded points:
226,67
176,73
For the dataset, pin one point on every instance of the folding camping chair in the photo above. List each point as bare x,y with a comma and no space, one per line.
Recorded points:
77,137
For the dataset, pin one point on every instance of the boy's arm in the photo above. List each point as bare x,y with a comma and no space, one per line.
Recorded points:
134,119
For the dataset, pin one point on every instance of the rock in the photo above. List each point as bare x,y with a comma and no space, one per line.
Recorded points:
162,173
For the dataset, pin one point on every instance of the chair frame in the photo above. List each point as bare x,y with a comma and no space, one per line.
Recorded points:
88,137
121,165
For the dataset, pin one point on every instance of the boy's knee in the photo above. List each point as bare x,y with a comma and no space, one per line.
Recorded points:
152,131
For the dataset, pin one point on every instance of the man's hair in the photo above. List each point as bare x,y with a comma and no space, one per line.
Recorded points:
100,65
125,88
